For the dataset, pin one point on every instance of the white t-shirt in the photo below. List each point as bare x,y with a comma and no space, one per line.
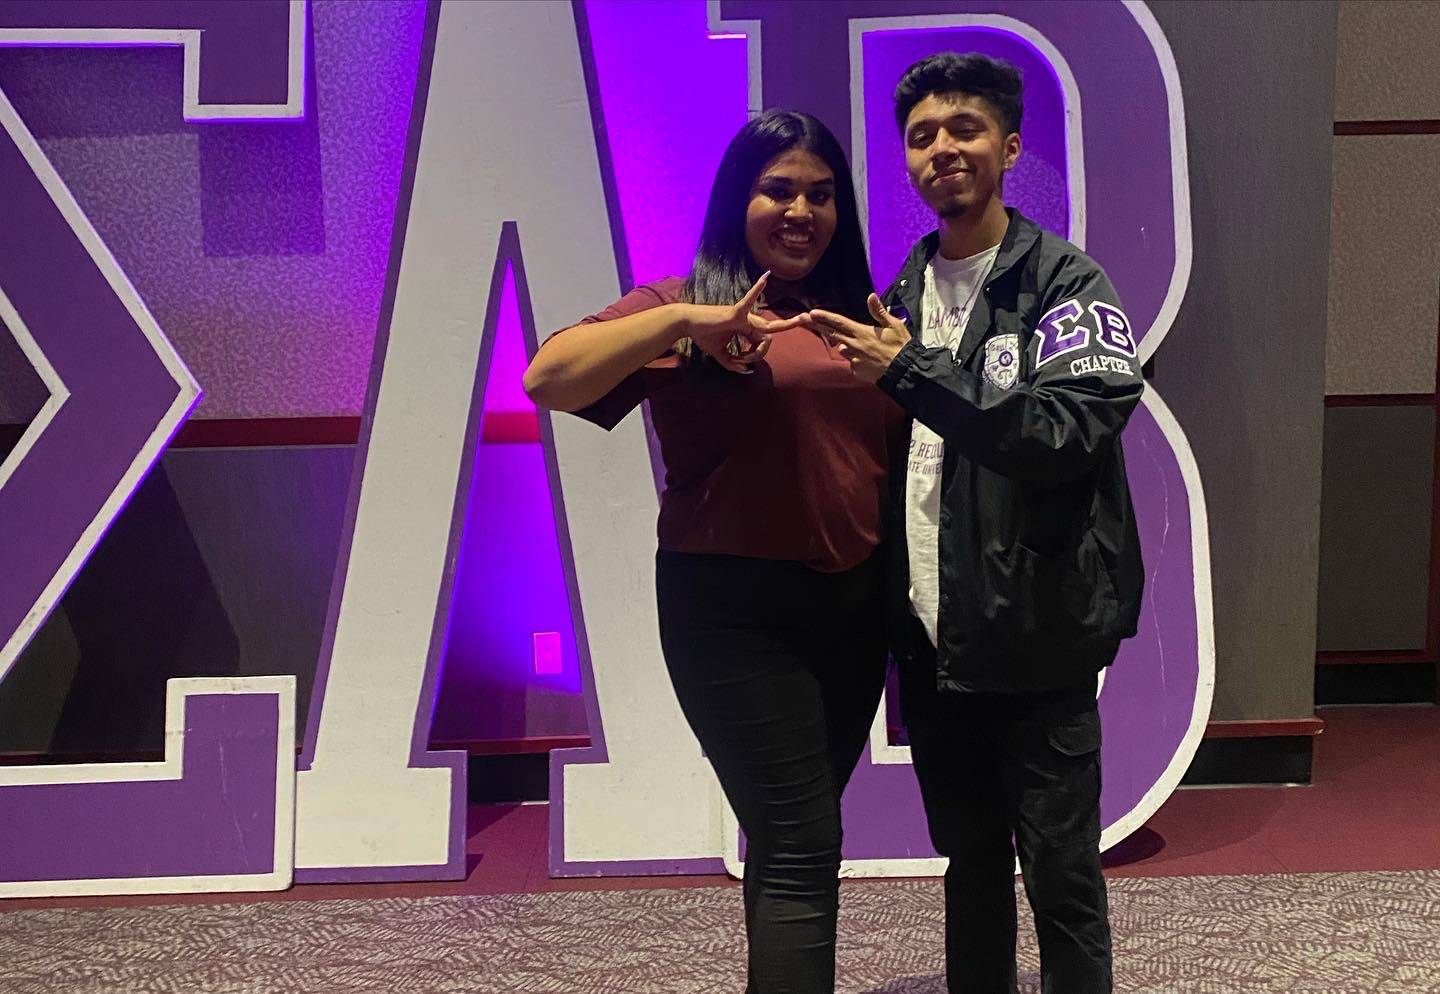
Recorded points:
951,286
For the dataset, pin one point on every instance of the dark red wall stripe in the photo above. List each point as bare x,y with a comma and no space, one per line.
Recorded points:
223,433
500,428
1264,728
1415,127
510,428
1380,400
1360,657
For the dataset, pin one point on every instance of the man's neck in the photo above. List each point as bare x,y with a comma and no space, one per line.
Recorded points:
971,234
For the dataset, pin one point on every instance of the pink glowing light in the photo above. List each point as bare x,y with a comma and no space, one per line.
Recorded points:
549,653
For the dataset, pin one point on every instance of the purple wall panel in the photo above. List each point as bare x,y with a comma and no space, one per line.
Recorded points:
260,248
673,97
510,585
244,52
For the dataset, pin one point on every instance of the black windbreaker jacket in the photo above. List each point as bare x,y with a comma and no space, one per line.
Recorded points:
1040,572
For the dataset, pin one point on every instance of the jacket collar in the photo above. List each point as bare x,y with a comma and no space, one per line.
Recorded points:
1020,236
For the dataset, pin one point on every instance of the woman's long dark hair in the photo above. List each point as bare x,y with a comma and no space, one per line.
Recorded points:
724,270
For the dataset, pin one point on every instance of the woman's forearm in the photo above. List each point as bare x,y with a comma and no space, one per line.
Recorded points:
577,367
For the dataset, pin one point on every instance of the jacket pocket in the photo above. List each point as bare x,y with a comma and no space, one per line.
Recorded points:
1049,602
1077,736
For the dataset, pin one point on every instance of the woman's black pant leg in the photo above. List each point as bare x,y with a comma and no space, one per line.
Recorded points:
781,713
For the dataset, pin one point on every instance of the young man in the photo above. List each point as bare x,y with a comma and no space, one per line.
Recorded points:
1016,564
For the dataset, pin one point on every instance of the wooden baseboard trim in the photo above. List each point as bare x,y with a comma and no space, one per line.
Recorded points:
1264,728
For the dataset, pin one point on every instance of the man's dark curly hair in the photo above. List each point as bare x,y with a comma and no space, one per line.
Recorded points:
994,81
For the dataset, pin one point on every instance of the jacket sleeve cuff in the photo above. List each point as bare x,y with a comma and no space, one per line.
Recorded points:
903,362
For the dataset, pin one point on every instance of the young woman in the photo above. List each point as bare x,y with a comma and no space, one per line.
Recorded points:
775,467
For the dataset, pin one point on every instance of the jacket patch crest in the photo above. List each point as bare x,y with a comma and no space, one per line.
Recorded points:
1002,361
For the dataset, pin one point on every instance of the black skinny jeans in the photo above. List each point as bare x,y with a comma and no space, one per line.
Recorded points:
778,670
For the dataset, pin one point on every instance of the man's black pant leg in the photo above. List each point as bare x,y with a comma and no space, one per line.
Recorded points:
1053,779
957,764
992,765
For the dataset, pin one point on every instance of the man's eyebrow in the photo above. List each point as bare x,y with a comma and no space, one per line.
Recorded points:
967,116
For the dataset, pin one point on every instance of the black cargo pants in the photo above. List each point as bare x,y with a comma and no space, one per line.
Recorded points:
1008,773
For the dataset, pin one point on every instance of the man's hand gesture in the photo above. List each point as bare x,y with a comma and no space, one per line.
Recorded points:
868,348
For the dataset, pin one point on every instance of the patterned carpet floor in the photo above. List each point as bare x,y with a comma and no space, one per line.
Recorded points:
1331,933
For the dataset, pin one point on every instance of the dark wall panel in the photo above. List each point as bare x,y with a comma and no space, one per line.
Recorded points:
1375,529
1243,367
220,566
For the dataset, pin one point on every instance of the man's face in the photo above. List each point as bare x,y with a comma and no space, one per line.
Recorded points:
957,152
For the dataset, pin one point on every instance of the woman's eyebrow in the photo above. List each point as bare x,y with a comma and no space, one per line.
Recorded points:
791,181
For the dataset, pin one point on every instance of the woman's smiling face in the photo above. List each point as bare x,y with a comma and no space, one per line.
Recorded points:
791,215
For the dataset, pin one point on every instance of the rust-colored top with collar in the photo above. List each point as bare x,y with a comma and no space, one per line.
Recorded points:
789,462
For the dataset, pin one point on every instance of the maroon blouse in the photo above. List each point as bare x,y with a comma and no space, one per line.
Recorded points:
787,463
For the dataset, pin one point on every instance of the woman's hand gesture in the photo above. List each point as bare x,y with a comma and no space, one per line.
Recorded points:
735,336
